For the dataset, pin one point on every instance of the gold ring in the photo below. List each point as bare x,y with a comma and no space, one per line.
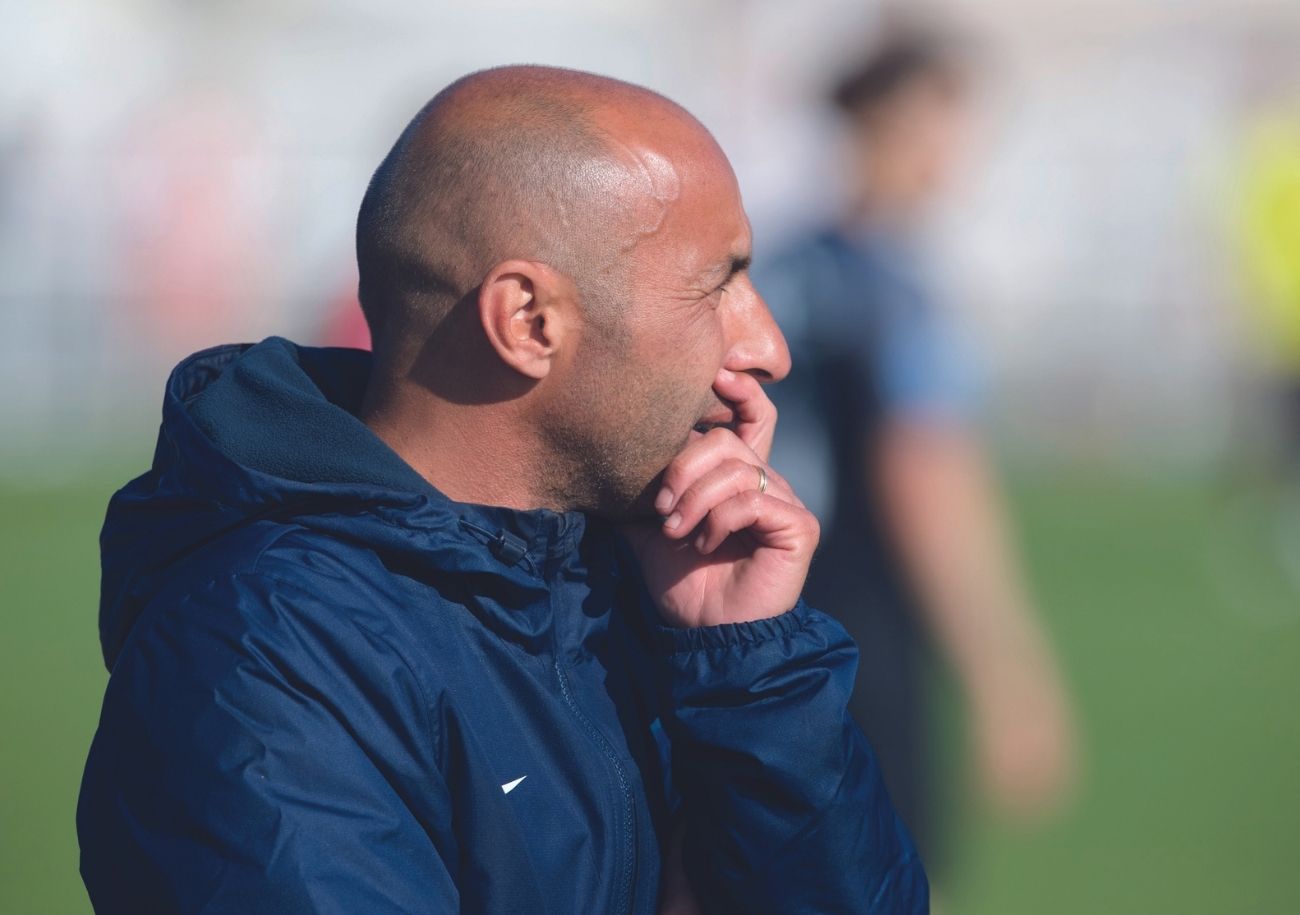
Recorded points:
762,479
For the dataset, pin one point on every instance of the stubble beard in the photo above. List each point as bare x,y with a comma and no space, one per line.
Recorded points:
610,444
619,424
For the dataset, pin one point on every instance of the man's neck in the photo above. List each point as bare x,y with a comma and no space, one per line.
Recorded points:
469,453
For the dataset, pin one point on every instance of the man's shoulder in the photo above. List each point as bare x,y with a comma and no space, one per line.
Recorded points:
265,549
311,558
272,581
268,635
283,606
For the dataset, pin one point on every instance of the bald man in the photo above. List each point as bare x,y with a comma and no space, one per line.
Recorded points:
504,618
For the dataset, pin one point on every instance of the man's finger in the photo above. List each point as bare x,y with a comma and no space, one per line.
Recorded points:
730,477
772,522
704,455
696,459
755,413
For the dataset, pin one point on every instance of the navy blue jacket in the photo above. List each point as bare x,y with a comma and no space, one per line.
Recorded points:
335,690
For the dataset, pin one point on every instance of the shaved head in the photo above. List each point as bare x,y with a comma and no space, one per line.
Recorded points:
515,162
553,266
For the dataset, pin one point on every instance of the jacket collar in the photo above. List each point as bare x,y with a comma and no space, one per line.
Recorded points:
276,424
270,431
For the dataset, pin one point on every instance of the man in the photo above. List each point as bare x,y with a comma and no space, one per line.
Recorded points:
376,643
915,538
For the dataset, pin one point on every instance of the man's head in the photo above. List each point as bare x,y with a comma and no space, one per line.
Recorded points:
905,104
554,246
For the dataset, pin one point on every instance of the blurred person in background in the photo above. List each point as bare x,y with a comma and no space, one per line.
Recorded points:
915,542
1267,205
1269,218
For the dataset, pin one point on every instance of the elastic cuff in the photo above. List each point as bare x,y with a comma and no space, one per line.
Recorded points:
707,638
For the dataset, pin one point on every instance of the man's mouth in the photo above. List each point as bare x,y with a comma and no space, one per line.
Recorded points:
715,422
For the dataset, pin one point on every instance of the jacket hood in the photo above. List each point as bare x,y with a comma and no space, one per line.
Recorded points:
270,430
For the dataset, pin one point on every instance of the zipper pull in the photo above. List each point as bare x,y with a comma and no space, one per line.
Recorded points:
507,547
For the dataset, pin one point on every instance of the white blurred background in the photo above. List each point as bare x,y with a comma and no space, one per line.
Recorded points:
174,175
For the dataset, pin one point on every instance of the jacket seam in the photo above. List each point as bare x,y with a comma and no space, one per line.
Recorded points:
284,531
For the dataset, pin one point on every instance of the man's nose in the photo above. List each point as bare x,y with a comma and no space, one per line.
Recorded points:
759,347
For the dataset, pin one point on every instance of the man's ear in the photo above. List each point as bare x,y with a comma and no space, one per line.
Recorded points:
527,310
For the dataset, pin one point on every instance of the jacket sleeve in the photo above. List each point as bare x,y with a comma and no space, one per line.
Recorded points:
258,752
784,806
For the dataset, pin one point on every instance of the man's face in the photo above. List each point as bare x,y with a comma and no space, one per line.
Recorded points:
912,145
645,387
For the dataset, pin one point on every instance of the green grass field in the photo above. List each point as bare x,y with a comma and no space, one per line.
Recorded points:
1180,638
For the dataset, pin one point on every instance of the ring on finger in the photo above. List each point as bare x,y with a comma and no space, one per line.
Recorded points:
762,479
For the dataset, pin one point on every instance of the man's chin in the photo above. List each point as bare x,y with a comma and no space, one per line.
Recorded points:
630,507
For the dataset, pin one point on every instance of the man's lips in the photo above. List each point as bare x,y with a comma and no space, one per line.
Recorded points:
725,419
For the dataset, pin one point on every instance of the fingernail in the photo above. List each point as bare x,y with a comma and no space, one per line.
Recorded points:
664,500
673,520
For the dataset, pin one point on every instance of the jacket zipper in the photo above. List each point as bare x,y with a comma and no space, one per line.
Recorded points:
625,900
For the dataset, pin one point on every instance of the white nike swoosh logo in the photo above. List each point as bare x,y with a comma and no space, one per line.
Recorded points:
511,786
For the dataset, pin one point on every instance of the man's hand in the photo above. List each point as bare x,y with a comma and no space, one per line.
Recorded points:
735,542
1024,740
